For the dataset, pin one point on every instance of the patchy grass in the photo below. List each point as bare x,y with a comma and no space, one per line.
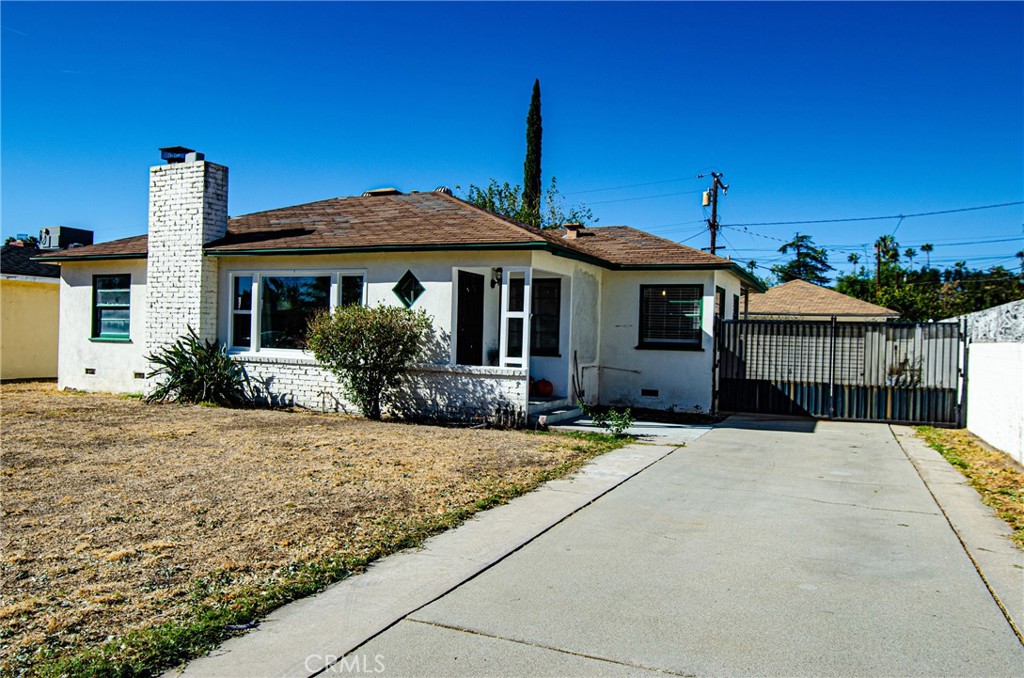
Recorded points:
137,536
997,478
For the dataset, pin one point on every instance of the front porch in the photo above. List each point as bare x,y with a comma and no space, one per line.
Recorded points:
517,318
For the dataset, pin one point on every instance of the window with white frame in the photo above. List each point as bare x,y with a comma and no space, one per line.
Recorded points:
272,310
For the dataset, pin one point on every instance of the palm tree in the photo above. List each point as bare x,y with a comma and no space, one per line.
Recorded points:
1020,255
751,265
888,248
927,249
910,253
853,259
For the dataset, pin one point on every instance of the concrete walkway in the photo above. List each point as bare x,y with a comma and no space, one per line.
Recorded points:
763,548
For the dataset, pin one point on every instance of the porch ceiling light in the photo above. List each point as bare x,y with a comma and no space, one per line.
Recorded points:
408,289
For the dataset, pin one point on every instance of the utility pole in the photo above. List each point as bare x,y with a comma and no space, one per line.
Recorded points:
878,265
711,197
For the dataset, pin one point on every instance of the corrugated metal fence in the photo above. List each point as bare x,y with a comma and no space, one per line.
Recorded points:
892,372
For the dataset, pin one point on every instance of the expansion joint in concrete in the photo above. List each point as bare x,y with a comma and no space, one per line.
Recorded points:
551,648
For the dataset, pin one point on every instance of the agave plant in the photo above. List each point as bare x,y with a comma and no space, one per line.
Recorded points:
198,371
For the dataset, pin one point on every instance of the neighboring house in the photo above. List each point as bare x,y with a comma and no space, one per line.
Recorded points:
800,300
29,309
613,315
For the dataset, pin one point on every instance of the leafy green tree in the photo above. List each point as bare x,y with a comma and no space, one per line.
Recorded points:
809,263
31,240
531,167
929,293
506,200
369,348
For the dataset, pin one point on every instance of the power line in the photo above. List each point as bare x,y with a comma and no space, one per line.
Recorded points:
890,216
700,232
646,197
616,188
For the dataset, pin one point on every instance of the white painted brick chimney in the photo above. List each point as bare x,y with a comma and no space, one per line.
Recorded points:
188,206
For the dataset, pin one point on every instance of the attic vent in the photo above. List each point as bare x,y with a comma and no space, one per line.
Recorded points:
443,189
381,191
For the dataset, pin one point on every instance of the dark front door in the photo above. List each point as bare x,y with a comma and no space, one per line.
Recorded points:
469,336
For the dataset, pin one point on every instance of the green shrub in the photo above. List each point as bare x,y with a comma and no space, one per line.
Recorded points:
369,348
197,371
614,421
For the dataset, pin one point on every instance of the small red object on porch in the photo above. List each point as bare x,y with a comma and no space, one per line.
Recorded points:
543,388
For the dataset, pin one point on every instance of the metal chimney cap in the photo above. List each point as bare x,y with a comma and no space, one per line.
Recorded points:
175,154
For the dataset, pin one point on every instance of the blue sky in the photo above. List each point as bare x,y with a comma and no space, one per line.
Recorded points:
812,111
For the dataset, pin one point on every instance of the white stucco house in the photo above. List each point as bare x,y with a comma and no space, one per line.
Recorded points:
611,315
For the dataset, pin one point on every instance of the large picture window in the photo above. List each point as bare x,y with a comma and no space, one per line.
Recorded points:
546,309
272,310
288,304
111,306
670,316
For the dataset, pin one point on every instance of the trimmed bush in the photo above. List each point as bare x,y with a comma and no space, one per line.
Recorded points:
369,348
197,371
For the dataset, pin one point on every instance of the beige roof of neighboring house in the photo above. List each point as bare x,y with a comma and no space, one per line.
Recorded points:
800,298
420,221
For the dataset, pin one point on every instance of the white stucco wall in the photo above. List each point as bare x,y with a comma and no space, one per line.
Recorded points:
293,377
731,284
682,378
115,364
434,270
995,377
995,395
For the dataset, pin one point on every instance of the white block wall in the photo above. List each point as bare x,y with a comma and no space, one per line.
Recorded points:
188,205
466,393
995,395
995,377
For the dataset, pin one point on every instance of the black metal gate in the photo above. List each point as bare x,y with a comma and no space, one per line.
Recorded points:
891,372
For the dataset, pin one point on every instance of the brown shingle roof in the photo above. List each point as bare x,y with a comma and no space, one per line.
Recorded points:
17,260
418,220
800,298
127,248
627,246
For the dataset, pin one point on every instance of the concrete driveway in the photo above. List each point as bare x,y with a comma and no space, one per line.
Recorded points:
762,548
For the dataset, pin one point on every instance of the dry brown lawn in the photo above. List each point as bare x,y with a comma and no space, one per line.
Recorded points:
995,475
114,509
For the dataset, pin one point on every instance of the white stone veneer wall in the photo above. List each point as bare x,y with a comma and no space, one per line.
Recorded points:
466,393
188,206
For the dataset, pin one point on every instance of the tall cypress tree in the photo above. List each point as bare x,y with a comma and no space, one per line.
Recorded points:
531,168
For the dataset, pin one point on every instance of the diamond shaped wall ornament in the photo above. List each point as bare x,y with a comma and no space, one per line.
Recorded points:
409,289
